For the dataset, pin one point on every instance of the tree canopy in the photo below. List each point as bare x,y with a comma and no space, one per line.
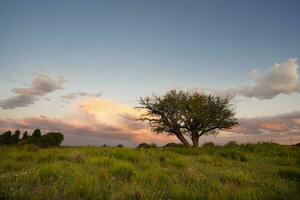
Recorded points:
46,140
187,115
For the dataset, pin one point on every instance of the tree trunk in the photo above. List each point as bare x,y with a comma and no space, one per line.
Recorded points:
183,140
195,140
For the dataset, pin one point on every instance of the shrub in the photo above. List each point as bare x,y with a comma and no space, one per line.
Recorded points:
153,145
144,145
37,133
47,140
120,145
50,139
6,138
231,144
174,145
208,144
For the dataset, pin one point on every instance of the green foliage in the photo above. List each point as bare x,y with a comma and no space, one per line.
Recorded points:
144,145
48,140
6,138
208,144
176,145
156,173
25,135
231,144
191,114
37,133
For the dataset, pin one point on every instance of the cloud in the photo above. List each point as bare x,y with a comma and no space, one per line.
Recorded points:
106,121
101,121
281,78
17,101
75,128
39,87
277,124
73,95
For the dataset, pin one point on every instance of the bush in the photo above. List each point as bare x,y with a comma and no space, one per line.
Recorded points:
47,140
153,145
208,144
50,139
120,145
231,144
174,145
6,138
144,146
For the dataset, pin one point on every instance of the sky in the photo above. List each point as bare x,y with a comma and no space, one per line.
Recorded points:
79,67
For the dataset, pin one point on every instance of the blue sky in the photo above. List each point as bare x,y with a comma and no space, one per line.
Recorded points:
127,49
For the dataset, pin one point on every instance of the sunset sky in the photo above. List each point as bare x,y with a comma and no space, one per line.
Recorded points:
79,67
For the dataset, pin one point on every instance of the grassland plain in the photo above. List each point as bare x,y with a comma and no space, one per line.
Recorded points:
261,171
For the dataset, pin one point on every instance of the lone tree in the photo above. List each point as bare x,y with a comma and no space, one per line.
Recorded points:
186,115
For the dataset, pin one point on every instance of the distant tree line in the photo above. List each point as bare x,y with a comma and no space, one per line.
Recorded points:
47,140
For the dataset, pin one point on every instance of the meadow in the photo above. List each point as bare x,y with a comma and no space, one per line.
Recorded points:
251,171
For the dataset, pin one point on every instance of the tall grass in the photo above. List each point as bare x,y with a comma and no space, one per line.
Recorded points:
261,171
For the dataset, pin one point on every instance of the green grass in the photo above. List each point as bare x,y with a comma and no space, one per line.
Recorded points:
261,171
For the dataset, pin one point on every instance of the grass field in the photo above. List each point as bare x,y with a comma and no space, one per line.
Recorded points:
262,171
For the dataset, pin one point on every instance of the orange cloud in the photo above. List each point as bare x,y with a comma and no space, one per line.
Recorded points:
274,126
109,112
95,117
